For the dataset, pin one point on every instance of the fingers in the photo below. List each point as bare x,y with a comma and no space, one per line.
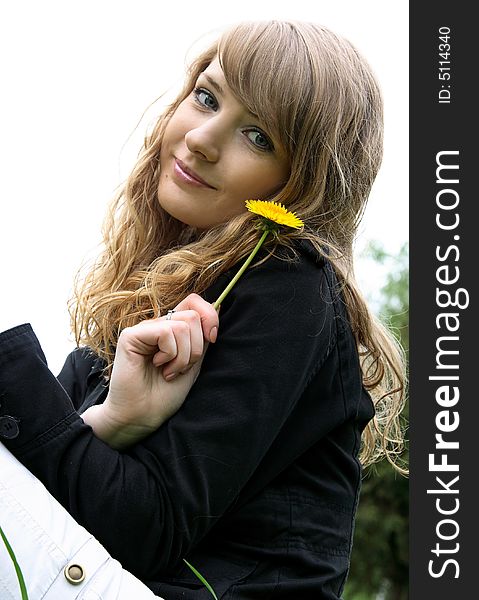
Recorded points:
192,319
177,342
149,338
208,315
183,359
166,346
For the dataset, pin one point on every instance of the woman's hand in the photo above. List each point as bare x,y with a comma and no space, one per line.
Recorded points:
155,366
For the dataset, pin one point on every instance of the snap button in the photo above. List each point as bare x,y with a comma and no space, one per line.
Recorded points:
9,427
74,574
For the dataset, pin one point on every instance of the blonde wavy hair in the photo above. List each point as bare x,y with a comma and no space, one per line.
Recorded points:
317,95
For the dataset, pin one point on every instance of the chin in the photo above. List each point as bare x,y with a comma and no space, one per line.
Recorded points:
185,219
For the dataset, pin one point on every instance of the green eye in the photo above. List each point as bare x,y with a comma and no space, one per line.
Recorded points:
259,139
205,98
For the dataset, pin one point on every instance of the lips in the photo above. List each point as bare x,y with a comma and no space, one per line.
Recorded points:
186,174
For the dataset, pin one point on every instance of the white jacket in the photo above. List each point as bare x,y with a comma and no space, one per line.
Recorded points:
53,551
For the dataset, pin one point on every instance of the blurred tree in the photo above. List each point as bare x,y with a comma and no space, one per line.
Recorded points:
379,563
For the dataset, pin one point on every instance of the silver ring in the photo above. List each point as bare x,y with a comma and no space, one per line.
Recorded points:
169,313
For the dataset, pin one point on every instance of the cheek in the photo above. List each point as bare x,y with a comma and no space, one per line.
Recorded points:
184,118
176,128
262,181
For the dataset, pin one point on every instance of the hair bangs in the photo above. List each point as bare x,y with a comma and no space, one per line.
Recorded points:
267,67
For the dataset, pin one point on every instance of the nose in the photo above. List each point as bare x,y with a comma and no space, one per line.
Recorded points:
205,140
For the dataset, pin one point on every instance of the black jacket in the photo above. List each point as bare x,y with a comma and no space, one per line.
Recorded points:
254,481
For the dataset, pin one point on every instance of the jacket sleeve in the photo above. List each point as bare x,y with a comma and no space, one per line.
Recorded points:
152,504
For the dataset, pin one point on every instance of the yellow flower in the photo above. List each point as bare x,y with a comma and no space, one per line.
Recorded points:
273,211
272,215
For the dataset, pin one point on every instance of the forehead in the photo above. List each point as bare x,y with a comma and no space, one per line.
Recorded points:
214,74
214,69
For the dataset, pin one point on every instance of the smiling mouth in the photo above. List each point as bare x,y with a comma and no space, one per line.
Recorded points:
187,175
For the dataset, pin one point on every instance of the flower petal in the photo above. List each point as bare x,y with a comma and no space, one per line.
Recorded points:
275,212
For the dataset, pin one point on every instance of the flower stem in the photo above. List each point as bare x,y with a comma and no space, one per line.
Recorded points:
21,581
241,271
202,579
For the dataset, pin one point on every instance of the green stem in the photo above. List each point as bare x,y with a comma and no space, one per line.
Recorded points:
241,271
21,581
202,579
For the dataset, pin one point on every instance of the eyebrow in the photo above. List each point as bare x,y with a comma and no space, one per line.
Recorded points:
214,83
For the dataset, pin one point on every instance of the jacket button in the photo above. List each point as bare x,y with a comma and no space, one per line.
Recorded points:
9,427
74,574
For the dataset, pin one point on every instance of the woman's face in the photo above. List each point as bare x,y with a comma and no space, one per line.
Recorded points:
215,155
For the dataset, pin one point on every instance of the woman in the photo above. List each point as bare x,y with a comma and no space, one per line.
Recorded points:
255,480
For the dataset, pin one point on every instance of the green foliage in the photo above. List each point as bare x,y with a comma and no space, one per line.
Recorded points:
394,295
380,561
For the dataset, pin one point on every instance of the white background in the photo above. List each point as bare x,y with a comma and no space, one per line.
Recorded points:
76,78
